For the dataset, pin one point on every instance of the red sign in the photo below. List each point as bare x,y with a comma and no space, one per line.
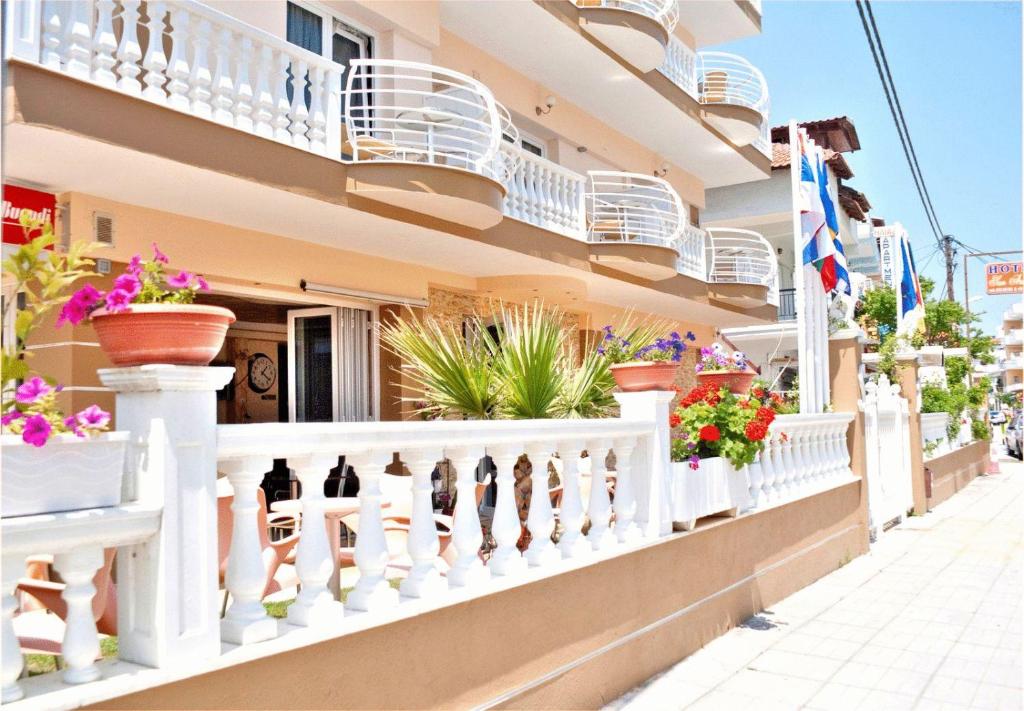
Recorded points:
1004,278
41,205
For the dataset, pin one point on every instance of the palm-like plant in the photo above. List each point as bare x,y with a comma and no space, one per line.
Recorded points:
530,361
451,373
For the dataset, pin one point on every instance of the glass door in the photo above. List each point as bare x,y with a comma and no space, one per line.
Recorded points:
313,365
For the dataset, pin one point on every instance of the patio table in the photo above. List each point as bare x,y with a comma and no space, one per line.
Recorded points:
335,509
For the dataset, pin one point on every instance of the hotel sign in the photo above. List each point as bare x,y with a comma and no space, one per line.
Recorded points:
16,198
1004,278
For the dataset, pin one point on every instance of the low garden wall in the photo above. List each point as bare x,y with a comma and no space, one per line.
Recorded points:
953,471
574,640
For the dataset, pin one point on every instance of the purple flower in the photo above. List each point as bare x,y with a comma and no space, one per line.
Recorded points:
128,282
37,430
694,462
180,281
10,416
202,283
690,337
72,425
30,391
93,416
134,266
159,256
79,305
691,445
118,300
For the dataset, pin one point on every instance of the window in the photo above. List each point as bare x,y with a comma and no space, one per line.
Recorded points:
529,144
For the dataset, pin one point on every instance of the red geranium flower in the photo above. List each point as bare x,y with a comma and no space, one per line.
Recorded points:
766,415
710,433
759,392
756,430
674,420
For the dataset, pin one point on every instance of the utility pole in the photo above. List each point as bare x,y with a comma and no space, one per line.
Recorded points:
948,254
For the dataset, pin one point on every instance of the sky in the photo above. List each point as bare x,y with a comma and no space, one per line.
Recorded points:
957,68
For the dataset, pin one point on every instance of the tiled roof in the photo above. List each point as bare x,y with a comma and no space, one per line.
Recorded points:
837,133
780,159
854,202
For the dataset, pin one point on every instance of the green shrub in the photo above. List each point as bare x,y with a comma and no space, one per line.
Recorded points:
980,431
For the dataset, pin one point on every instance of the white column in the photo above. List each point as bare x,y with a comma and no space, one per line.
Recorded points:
200,80
599,508
771,478
11,661
755,480
79,40
178,68
155,61
279,85
128,51
626,530
424,579
222,85
469,570
54,52
314,558
298,113
572,543
652,475
81,645
104,44
372,591
541,519
168,598
22,25
243,95
505,526
246,621
784,482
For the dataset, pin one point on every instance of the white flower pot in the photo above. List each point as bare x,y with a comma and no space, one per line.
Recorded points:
67,473
714,487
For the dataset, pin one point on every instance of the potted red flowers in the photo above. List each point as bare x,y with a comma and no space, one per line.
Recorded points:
715,435
149,317
719,369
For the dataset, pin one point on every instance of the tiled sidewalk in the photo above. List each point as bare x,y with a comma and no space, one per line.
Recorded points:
930,619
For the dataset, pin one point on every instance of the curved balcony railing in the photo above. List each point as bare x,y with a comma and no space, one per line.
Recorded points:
724,78
666,12
631,207
743,257
408,112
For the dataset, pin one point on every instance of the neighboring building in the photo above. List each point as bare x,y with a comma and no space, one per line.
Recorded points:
440,154
764,211
1011,353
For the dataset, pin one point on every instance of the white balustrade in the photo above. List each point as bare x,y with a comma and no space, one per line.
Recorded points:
626,530
505,526
544,194
632,208
738,256
541,519
599,509
219,68
666,12
724,78
934,433
692,246
572,544
468,570
680,66
372,591
424,579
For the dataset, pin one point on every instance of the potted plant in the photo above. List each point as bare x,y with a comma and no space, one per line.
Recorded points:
643,366
715,435
719,369
51,462
149,317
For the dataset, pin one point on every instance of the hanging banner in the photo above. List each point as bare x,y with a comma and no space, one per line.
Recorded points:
16,198
888,254
1004,278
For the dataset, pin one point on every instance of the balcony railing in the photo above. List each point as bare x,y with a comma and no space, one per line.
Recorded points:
408,112
728,79
693,252
787,304
168,626
544,193
665,12
681,66
632,208
743,257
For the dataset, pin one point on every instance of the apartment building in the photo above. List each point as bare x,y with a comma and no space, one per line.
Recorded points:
763,212
326,165
1011,354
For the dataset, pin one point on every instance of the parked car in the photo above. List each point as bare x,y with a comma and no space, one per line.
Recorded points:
997,417
1013,437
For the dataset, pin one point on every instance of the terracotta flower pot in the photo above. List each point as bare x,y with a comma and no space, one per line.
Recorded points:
175,334
645,375
737,381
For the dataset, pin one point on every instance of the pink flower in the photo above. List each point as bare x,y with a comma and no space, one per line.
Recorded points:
30,391
694,462
93,416
180,281
134,266
10,416
72,425
130,283
118,300
79,305
203,284
37,430
159,256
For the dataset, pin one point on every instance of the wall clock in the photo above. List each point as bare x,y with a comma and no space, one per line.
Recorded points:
262,373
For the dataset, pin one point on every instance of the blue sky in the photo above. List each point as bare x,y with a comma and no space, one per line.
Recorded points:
957,67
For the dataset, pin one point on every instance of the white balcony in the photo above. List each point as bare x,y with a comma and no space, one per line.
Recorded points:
1013,363
735,98
634,222
693,247
743,257
636,30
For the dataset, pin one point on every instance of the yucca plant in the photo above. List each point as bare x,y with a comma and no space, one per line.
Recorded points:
452,374
587,390
530,361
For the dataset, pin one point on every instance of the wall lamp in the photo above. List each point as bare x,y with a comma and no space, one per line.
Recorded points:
661,171
549,103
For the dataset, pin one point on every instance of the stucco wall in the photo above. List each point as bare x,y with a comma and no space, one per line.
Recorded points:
953,471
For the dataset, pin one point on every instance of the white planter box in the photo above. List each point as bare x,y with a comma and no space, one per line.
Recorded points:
68,473
714,487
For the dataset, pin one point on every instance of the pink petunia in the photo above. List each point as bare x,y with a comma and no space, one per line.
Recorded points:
9,417
79,305
72,425
129,283
37,430
180,281
31,390
118,301
159,256
134,266
93,416
202,283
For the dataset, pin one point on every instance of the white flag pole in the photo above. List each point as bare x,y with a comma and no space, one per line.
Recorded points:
805,370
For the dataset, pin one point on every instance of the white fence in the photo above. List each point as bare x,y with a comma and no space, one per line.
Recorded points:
743,257
631,207
934,434
887,441
545,194
168,595
665,12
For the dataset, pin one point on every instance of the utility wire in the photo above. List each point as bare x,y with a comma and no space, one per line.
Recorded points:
900,128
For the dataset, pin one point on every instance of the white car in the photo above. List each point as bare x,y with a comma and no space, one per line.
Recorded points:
997,417
1012,439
